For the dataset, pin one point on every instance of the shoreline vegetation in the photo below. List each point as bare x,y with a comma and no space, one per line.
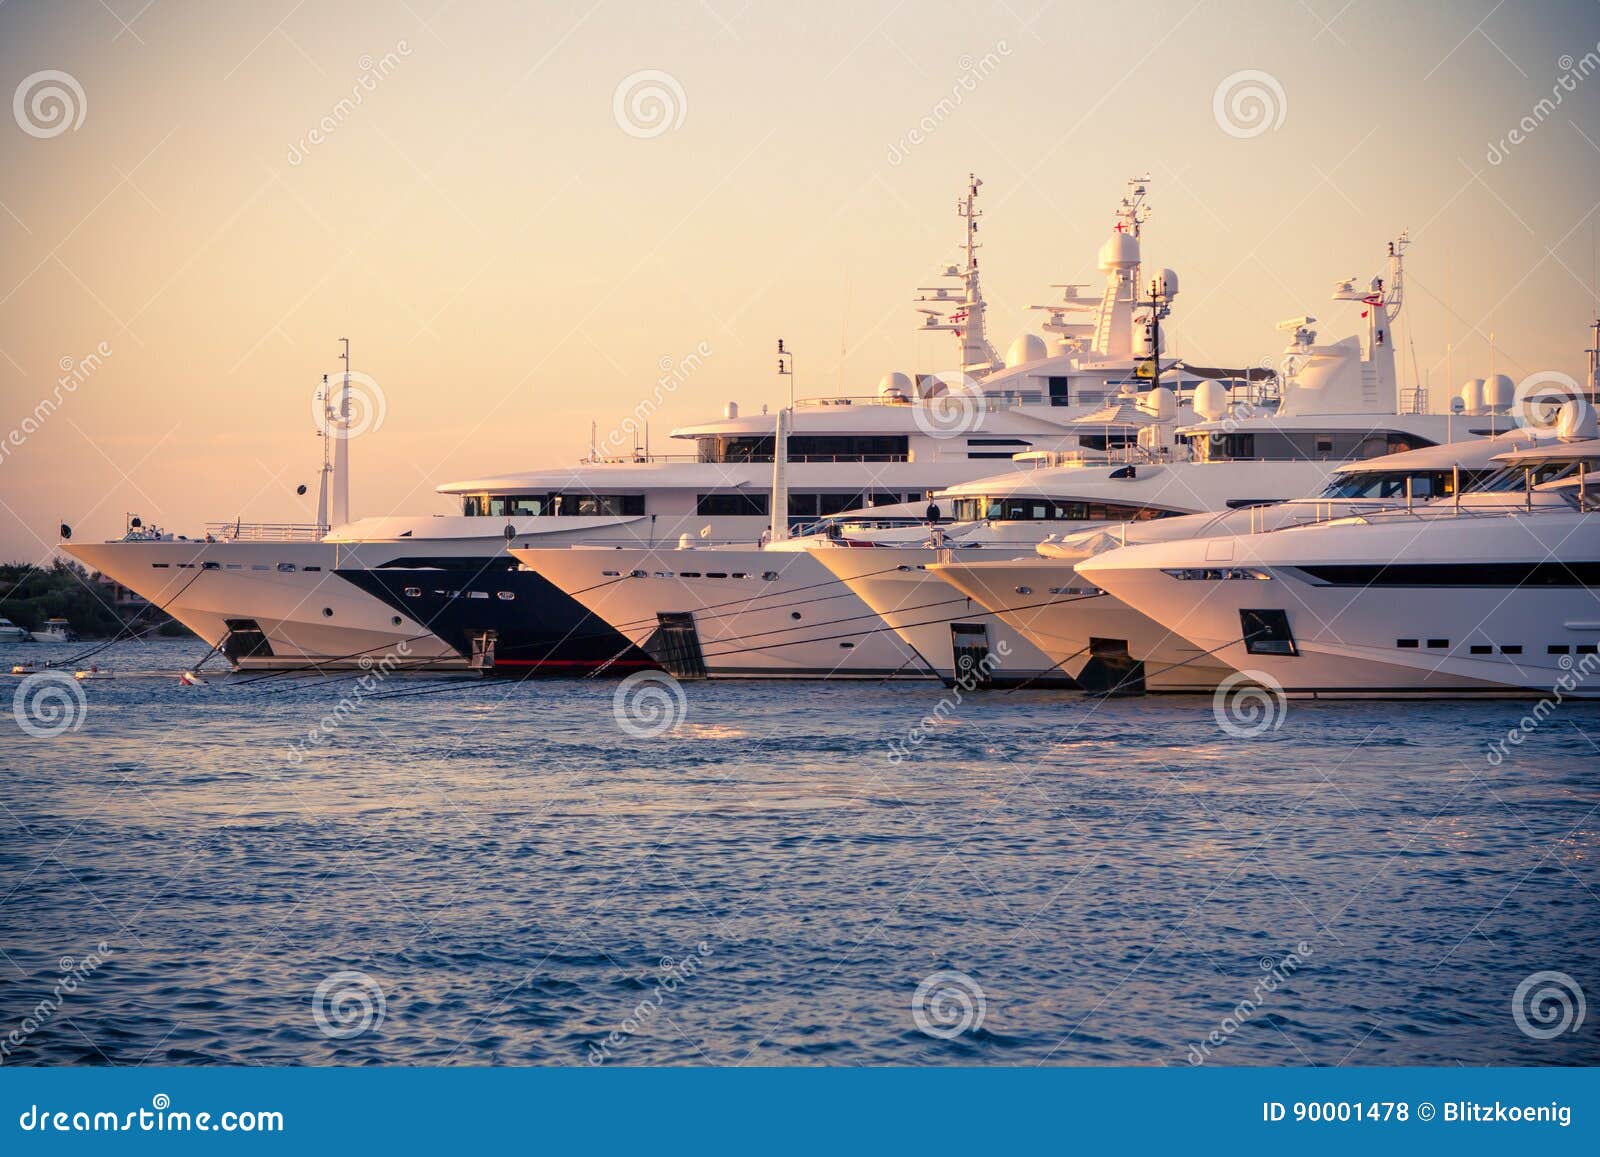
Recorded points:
96,607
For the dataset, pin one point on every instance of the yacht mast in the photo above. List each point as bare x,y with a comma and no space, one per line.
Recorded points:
966,307
327,464
341,446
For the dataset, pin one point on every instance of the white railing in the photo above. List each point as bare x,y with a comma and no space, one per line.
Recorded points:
264,531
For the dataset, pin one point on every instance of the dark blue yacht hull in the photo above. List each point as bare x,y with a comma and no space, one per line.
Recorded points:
488,606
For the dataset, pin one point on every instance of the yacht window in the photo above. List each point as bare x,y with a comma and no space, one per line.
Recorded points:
1436,644
1481,649
1511,650
805,448
413,592
1060,391
161,565
1556,649
1266,632
731,503
1585,649
1406,644
286,567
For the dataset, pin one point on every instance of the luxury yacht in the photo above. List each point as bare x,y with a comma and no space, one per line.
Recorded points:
11,633
1495,591
445,591
1108,646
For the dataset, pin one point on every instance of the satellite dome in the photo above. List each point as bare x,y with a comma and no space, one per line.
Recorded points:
1169,283
1027,347
1499,392
1472,396
896,387
1121,251
1576,422
1161,403
1211,400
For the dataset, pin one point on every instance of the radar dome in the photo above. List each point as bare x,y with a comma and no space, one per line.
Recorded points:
1169,283
1472,396
1499,392
731,410
1161,403
896,387
1121,251
1576,422
1027,347
1211,400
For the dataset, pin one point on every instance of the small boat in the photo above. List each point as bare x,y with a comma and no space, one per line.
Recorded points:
56,631
190,679
11,633
94,673
24,668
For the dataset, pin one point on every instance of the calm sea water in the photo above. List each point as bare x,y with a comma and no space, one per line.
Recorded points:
493,873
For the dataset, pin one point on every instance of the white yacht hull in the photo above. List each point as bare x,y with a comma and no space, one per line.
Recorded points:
758,614
1465,632
1069,620
930,616
309,618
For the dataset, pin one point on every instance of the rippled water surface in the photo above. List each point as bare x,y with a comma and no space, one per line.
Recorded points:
493,873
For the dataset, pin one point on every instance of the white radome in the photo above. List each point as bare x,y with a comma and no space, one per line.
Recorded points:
1472,396
1211,400
1499,392
1025,348
896,387
1121,251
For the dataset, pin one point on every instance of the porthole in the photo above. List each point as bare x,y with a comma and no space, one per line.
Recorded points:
505,596
1024,590
327,612
286,567
846,646
770,575
396,620
413,592
794,615
1407,644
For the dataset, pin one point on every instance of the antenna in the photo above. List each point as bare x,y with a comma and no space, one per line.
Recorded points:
786,369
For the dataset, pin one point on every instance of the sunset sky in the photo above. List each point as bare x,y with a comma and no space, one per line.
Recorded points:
513,250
